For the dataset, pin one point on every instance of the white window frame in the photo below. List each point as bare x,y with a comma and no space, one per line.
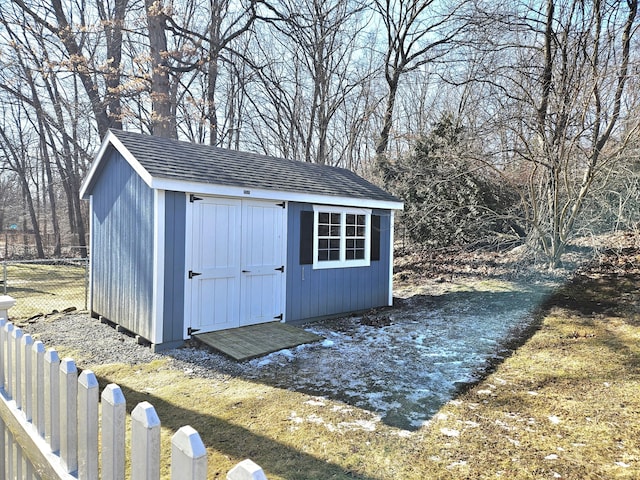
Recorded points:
342,262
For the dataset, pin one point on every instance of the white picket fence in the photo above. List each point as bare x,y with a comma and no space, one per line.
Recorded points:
50,418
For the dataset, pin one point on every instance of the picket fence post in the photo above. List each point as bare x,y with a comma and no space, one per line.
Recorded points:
145,443
3,322
88,426
8,331
69,414
62,408
114,410
52,399
38,351
16,340
188,455
27,373
246,470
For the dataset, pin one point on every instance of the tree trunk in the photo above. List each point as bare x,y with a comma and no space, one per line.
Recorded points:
163,120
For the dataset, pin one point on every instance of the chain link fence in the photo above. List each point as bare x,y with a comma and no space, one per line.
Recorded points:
45,286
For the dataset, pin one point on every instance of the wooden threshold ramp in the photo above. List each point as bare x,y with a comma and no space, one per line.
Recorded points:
245,343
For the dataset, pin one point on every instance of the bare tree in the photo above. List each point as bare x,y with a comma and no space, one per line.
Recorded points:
417,32
559,80
53,16
307,58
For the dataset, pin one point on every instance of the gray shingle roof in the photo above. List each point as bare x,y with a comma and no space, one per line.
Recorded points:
191,162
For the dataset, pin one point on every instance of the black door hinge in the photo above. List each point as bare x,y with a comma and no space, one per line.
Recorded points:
283,205
193,198
280,268
279,317
191,331
193,274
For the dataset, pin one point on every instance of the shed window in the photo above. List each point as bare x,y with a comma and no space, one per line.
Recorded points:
341,237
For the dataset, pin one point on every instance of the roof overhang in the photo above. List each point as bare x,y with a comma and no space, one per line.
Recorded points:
199,188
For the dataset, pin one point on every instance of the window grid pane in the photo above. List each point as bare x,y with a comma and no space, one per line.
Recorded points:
329,236
355,236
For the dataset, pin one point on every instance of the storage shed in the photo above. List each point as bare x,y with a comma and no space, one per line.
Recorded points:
188,237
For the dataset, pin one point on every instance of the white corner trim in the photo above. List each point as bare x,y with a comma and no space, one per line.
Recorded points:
285,243
391,246
91,249
159,208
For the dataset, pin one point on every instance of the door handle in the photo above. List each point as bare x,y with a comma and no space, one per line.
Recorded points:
246,271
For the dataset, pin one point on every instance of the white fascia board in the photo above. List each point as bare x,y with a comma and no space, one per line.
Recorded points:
111,139
262,194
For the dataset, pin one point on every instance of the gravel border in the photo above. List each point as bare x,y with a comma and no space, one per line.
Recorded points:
96,343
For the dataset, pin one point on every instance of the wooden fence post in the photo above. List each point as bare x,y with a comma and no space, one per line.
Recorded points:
69,414
145,443
25,380
114,411
52,399
37,363
16,341
8,372
246,470
188,455
87,426
3,447
3,348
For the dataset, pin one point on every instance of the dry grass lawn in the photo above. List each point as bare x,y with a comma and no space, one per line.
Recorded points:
566,404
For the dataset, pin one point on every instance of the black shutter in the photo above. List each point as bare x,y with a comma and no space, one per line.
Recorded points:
375,238
306,238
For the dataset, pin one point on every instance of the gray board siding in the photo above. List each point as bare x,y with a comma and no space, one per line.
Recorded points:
327,292
122,246
174,266
165,158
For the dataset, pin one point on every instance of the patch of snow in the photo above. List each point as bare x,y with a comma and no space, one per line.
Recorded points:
622,464
450,432
407,370
293,416
366,425
313,418
555,420
402,433
513,441
264,361
553,456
